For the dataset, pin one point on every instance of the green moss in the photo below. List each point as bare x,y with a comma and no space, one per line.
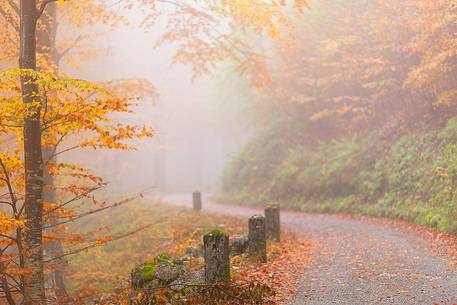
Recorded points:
143,274
272,206
148,271
227,277
216,232
165,258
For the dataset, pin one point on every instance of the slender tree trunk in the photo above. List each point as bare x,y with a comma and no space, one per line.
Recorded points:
34,293
54,248
46,39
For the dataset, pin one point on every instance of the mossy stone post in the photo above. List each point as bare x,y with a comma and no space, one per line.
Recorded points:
197,201
217,257
257,238
273,222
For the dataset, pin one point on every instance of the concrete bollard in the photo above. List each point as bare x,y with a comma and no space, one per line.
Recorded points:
197,201
273,222
217,257
257,238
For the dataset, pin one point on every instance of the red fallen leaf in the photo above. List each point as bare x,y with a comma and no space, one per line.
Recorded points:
286,263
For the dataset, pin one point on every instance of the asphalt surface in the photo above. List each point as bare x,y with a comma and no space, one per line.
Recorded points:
359,261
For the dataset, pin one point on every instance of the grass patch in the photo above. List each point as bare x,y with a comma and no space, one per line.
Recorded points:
174,230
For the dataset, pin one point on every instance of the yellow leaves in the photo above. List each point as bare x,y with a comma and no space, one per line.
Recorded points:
136,89
8,223
228,30
330,46
321,115
301,99
447,98
79,173
72,106
13,165
441,172
11,161
436,46
259,16
12,109
433,70
362,69
300,5
103,240
90,12
53,210
115,137
255,70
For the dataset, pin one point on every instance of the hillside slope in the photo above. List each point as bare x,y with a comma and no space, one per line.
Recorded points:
411,176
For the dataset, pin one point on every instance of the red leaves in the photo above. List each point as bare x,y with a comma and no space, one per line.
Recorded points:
286,263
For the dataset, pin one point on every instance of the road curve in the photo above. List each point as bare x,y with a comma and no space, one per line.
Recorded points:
360,261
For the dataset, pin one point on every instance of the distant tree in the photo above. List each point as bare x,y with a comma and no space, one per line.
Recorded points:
209,32
356,70
50,114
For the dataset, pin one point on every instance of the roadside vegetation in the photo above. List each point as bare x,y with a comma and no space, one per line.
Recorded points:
359,119
104,274
411,177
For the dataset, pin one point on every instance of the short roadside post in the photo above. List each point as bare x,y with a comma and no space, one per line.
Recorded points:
217,257
197,201
257,238
273,222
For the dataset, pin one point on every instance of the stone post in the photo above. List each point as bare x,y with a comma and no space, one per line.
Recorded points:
217,257
273,222
197,201
257,238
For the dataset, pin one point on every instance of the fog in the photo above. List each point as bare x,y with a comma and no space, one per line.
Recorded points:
197,128
323,131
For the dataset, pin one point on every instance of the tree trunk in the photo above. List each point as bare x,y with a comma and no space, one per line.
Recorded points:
46,39
34,293
54,248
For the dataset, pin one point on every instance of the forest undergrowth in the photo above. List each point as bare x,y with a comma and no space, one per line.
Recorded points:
102,274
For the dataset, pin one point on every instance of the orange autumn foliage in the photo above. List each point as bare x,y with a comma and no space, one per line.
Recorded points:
77,114
356,68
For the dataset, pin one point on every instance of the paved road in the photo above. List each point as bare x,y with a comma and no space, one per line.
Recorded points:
361,261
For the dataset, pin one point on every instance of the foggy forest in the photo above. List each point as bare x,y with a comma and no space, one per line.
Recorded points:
228,152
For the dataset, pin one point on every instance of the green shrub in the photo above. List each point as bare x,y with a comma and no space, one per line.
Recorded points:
412,177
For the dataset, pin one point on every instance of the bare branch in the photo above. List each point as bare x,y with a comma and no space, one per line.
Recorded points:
5,202
43,7
6,287
63,151
54,149
8,183
80,196
114,205
64,52
98,244
8,237
18,287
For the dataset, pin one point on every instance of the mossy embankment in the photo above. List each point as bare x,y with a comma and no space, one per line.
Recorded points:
411,175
